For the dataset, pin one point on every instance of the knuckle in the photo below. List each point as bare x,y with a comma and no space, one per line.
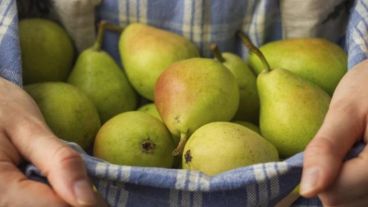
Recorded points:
320,146
66,156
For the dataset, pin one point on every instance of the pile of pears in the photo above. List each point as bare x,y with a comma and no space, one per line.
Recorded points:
166,106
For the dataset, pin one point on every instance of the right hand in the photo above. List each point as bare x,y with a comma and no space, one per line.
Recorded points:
25,135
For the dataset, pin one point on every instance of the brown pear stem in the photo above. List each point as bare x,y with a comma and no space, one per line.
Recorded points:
102,26
217,52
252,48
179,149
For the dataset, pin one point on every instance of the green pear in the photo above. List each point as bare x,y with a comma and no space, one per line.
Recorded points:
292,108
146,51
249,125
69,113
104,82
151,109
221,146
317,60
46,49
135,138
248,96
194,92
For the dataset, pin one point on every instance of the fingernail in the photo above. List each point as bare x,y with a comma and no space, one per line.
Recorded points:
309,181
84,193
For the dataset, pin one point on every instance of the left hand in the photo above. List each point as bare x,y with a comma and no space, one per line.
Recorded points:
325,174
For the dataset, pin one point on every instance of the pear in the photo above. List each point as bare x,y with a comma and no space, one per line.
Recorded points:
146,51
194,92
221,146
46,49
135,138
292,108
104,82
317,60
69,113
248,109
151,109
249,125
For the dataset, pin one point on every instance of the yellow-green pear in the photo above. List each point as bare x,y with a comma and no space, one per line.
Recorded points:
104,82
146,51
248,96
46,49
221,146
292,108
194,92
317,60
135,138
69,113
151,109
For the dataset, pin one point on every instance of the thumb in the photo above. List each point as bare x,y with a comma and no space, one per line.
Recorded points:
324,155
63,166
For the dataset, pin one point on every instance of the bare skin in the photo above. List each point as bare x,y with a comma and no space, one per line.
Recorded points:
24,135
325,175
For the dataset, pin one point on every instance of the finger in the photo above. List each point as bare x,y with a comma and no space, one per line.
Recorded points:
325,153
351,184
62,166
16,190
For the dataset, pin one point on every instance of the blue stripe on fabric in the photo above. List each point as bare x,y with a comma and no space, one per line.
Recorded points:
144,196
109,10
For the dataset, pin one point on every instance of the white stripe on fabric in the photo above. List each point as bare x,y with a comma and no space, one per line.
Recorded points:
361,28
4,4
193,180
123,197
260,175
272,175
198,181
113,173
204,183
6,20
181,176
125,173
133,14
100,169
282,167
256,29
197,21
123,13
187,16
251,195
143,11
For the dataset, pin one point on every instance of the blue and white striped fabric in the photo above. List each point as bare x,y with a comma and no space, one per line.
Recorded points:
202,21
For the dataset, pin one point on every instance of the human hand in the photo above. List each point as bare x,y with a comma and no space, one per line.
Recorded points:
24,135
339,183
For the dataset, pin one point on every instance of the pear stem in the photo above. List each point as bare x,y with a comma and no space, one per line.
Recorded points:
217,52
252,48
179,149
103,25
